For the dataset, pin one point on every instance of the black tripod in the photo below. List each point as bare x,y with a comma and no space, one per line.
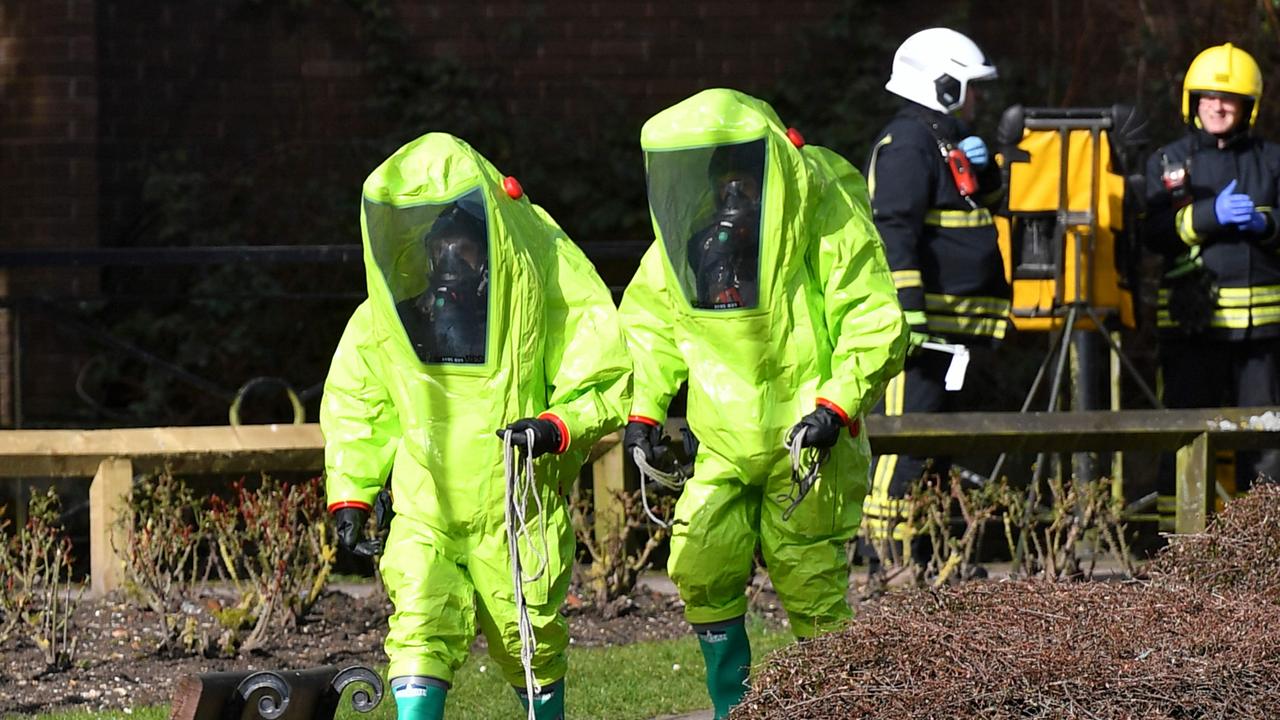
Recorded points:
1055,246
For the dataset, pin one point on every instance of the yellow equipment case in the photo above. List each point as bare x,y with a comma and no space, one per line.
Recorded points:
1063,232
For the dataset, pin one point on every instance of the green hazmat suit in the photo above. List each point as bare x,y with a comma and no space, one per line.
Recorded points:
816,321
481,311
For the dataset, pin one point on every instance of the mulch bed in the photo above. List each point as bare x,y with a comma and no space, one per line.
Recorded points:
1199,639
115,665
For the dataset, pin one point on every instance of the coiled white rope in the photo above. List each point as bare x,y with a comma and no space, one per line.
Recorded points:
671,481
805,464
521,484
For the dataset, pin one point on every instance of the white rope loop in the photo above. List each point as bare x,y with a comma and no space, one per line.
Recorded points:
805,464
520,485
671,481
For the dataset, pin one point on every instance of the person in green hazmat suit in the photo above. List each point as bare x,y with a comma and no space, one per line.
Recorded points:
767,290
482,314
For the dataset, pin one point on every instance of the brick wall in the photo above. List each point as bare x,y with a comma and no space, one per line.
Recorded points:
48,177
228,80
6,357
98,93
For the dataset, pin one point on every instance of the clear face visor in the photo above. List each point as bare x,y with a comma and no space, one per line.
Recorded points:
435,259
707,205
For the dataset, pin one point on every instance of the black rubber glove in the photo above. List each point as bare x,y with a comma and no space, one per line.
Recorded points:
822,428
350,522
546,436
644,436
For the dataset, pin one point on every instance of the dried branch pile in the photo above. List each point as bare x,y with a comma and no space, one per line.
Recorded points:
1201,639
1240,551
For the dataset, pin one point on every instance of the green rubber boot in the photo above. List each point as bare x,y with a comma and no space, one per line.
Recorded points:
548,704
727,651
418,697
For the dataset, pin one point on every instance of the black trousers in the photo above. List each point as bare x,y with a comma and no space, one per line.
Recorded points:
919,388
1207,374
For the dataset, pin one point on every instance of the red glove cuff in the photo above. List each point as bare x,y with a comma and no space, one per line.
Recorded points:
335,507
853,425
564,431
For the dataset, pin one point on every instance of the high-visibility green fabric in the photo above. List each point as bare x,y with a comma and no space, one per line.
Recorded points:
554,347
828,326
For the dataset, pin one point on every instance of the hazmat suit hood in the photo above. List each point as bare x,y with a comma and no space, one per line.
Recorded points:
432,228
467,284
726,191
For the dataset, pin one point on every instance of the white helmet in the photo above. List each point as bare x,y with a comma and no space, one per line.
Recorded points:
934,68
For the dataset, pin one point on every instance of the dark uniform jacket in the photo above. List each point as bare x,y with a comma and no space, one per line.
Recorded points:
942,248
1243,269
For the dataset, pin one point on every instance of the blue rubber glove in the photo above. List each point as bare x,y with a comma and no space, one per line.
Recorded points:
1231,207
1257,223
975,150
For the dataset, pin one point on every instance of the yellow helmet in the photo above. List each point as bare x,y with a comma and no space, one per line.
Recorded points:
1224,69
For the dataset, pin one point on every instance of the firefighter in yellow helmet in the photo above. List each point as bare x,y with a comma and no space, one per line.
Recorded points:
1211,199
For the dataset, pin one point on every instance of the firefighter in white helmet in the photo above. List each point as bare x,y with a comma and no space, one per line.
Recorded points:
933,183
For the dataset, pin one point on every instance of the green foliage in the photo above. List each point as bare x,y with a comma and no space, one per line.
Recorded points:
224,325
589,175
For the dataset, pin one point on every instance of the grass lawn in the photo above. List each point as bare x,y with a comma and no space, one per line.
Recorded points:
626,682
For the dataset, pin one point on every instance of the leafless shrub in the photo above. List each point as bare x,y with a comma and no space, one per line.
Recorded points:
276,548
163,531
1081,520
618,558
11,602
35,572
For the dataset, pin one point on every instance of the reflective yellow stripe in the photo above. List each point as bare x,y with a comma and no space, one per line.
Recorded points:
938,302
959,218
1243,296
1227,318
871,169
965,325
883,516
1235,297
1167,507
1266,315
1186,231
886,507
907,279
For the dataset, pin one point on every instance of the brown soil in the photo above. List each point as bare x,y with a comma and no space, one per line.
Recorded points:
115,664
